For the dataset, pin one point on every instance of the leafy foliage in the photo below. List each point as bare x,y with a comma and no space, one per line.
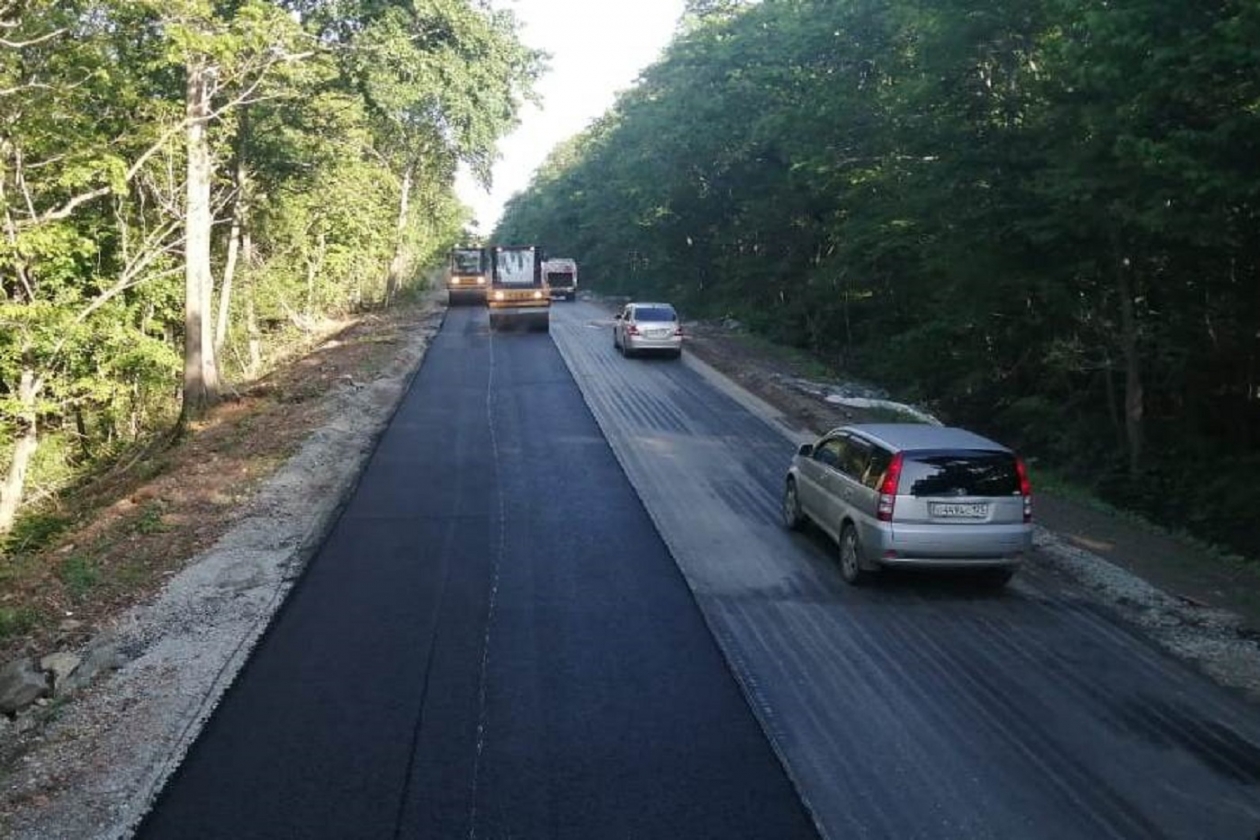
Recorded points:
318,108
1038,216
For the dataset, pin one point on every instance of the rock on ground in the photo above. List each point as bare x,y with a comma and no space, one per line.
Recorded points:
21,684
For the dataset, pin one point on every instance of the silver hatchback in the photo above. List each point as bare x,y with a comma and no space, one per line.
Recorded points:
912,494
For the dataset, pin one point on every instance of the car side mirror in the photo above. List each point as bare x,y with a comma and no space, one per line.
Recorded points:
806,450
617,317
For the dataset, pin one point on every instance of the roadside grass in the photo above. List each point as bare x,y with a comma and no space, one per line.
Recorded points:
16,622
1050,481
150,519
80,576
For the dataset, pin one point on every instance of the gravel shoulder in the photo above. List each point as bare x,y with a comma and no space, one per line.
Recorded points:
89,765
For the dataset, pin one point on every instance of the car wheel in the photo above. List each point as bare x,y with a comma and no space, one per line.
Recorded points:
792,518
996,578
850,550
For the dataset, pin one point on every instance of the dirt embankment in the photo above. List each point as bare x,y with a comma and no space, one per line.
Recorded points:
191,556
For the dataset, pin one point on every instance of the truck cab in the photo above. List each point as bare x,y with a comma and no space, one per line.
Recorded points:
561,276
518,293
467,276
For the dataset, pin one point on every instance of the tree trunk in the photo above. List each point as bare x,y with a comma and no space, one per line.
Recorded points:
398,263
27,441
240,206
1134,400
229,266
201,377
1113,403
313,267
225,288
251,315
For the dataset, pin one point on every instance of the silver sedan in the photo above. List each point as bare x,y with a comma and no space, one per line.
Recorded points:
648,327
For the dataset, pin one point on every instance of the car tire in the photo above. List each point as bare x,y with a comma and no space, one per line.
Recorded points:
850,550
793,519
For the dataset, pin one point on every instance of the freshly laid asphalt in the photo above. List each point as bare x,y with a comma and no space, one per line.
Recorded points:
492,642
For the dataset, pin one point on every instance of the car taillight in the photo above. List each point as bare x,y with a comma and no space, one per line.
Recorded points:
888,490
631,329
678,331
1025,488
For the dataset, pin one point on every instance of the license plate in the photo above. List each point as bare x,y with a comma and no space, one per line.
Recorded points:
954,510
659,333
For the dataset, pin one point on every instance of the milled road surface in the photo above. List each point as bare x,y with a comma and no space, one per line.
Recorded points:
923,707
493,642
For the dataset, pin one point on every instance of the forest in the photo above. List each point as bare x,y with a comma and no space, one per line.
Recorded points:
186,184
1039,218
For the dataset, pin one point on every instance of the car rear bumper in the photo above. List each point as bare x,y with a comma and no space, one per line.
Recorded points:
640,343
953,546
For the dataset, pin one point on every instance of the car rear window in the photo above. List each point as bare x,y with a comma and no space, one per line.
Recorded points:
959,473
654,313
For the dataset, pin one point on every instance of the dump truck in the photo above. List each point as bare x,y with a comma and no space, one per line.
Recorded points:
467,276
518,292
561,276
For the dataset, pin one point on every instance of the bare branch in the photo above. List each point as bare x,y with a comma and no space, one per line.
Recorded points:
28,86
17,45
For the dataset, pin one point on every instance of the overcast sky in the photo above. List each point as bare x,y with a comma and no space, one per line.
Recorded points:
597,47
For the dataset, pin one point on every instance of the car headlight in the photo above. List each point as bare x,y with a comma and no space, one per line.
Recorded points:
481,281
537,295
454,281
498,295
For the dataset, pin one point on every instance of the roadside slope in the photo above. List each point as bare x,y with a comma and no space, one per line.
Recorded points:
89,767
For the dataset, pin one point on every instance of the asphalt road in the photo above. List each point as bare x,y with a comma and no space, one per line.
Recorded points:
924,707
493,642
496,641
